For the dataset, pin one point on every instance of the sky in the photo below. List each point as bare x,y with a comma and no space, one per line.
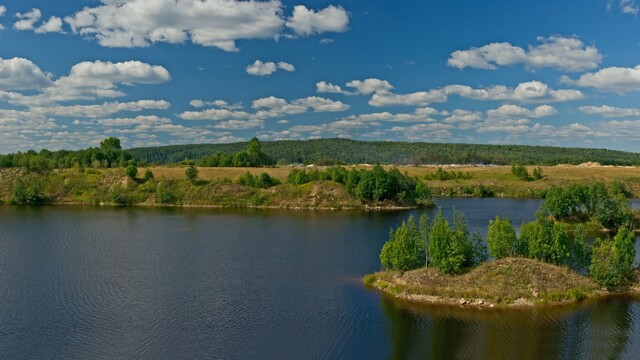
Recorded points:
162,72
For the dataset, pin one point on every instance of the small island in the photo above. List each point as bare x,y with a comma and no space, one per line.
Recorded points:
551,262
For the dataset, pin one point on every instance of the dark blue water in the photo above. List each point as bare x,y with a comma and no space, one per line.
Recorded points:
109,283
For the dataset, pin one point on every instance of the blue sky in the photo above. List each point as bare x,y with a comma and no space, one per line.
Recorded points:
160,72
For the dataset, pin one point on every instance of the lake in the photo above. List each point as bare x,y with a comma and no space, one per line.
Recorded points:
139,283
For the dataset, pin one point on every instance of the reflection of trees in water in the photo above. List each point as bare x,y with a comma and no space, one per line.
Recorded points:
599,330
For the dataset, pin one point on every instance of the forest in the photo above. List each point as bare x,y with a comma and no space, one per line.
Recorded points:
343,151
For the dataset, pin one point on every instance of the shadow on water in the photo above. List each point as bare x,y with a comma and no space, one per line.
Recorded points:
600,329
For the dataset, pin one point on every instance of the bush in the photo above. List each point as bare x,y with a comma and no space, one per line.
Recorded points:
520,172
131,171
453,251
28,194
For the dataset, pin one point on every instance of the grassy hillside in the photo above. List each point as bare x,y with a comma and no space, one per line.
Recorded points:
331,151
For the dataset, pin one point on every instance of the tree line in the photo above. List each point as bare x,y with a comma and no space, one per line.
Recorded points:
344,151
552,237
108,154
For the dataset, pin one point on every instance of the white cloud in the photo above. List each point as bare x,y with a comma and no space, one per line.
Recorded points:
325,87
27,20
214,114
420,98
562,53
138,120
216,103
308,21
629,7
527,92
104,109
127,72
259,68
614,79
515,111
370,86
3,9
609,111
269,107
211,23
286,66
53,25
21,74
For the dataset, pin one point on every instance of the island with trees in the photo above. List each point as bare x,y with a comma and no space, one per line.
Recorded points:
551,261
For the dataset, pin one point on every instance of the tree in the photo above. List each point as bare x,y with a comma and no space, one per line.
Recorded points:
148,175
439,239
560,251
613,259
501,238
192,173
405,249
424,235
131,171
452,251
581,255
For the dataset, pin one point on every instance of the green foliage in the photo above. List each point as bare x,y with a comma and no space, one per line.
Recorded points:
166,193
444,175
612,261
501,238
609,207
453,251
28,193
560,249
520,172
148,175
343,151
581,249
131,171
537,173
252,156
536,237
405,249
191,172
263,181
376,184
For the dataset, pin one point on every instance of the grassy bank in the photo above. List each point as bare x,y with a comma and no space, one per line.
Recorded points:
112,187
497,179
509,282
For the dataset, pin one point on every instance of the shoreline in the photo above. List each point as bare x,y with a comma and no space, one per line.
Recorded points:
485,287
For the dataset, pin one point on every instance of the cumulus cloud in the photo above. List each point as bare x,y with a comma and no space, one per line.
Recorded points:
27,20
268,107
271,106
211,23
21,74
216,103
613,79
609,111
53,25
308,21
102,110
259,68
562,53
515,111
325,87
370,86
3,9
527,92
420,98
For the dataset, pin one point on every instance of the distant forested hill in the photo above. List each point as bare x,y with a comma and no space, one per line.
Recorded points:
342,151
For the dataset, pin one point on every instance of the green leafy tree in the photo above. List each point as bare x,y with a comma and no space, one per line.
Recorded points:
613,259
452,250
148,175
192,173
405,248
581,255
501,238
560,250
439,240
